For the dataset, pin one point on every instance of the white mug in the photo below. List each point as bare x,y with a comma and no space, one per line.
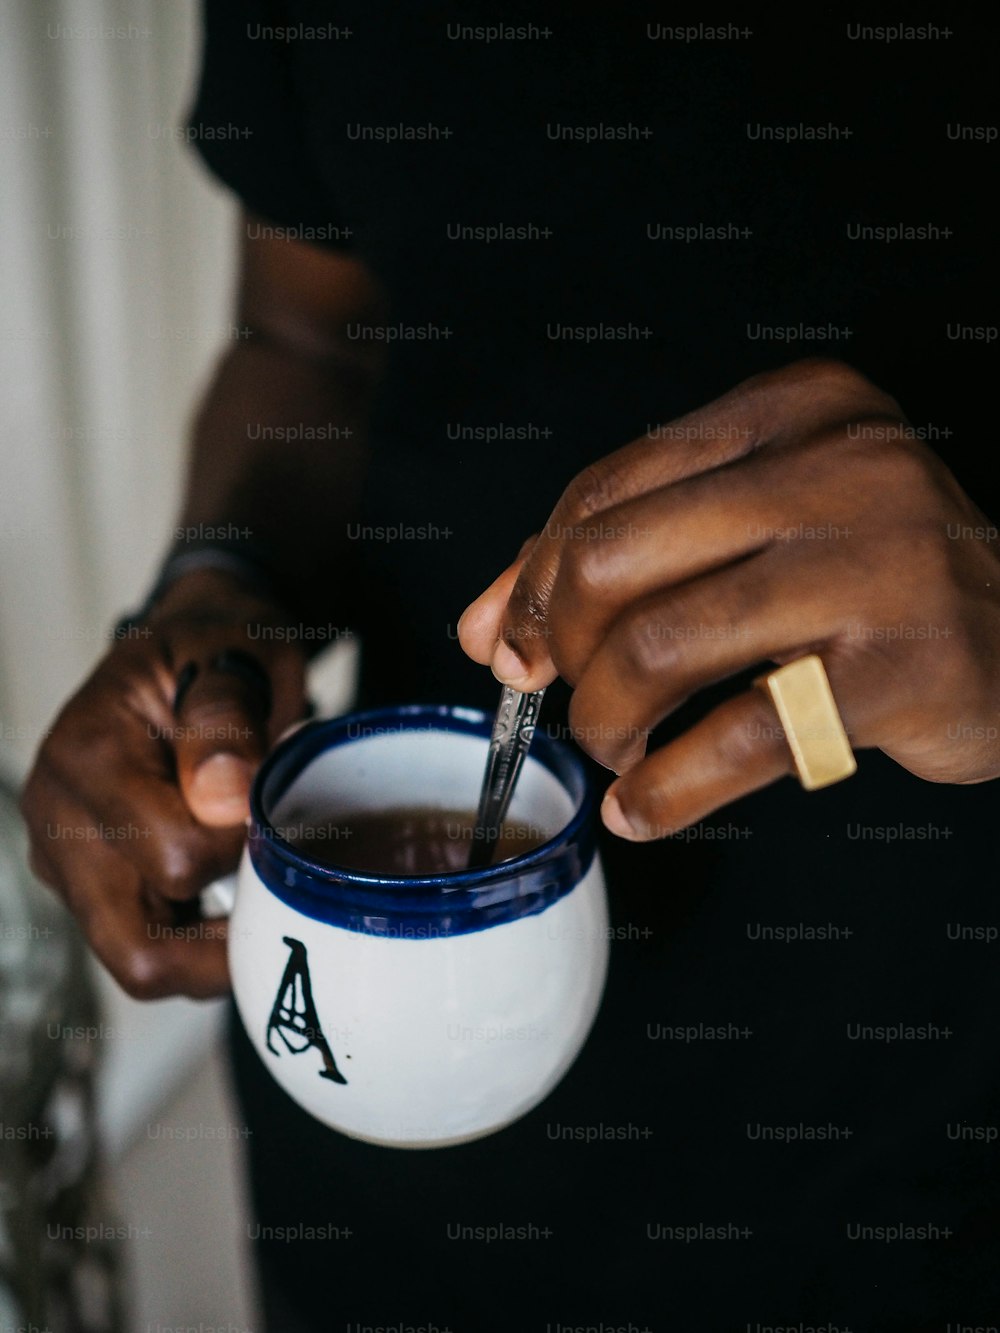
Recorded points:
416,1011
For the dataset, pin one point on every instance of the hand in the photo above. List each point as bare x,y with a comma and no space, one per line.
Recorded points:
132,811
796,514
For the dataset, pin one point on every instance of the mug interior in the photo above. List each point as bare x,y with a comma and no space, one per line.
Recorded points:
423,755
376,767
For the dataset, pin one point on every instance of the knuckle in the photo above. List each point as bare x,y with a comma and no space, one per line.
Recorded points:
895,479
588,570
591,491
839,382
907,467
143,974
178,868
647,649
138,965
826,369
841,388
209,711
614,740
807,371
738,747
929,558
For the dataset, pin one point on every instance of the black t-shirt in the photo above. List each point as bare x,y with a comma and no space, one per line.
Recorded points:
702,203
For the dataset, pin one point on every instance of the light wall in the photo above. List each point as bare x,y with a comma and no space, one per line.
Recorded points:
114,303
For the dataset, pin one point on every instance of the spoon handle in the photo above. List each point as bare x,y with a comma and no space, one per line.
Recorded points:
513,728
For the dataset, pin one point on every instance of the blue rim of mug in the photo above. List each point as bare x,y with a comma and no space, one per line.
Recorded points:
426,906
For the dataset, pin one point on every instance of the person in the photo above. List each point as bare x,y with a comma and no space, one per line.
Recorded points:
673,340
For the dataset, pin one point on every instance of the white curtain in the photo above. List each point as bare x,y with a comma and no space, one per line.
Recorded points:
114,296
116,273
114,299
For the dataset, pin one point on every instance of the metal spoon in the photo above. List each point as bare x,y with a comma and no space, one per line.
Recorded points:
513,728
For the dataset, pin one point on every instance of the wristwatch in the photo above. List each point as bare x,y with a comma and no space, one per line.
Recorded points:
245,563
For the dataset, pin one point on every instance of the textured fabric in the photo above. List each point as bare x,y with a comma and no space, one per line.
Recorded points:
59,1255
792,276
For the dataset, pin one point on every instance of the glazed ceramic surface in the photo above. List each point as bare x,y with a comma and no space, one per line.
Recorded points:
416,1012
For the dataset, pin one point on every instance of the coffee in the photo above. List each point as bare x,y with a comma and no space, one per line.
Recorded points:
408,840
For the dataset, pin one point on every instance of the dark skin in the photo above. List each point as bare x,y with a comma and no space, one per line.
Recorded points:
667,567
671,564
116,756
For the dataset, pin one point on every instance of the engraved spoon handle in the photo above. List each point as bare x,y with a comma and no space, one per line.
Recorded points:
513,728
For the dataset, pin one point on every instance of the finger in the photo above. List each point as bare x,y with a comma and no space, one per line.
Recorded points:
522,658
148,952
175,853
479,623
131,929
122,786
221,736
768,409
235,699
735,750
660,539
666,647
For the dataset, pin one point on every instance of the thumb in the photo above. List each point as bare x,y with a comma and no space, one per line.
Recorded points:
221,707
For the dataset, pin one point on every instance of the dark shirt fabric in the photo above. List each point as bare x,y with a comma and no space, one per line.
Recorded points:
891,859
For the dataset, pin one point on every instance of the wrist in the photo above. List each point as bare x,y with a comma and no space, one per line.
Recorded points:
206,570
209,591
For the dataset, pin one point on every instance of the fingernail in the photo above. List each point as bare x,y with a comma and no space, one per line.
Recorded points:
220,785
505,664
615,821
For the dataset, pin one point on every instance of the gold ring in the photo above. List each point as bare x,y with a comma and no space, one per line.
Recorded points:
814,729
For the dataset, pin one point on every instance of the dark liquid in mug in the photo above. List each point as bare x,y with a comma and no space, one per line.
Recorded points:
411,840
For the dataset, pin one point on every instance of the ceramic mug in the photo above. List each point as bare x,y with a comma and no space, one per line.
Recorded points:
416,1011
